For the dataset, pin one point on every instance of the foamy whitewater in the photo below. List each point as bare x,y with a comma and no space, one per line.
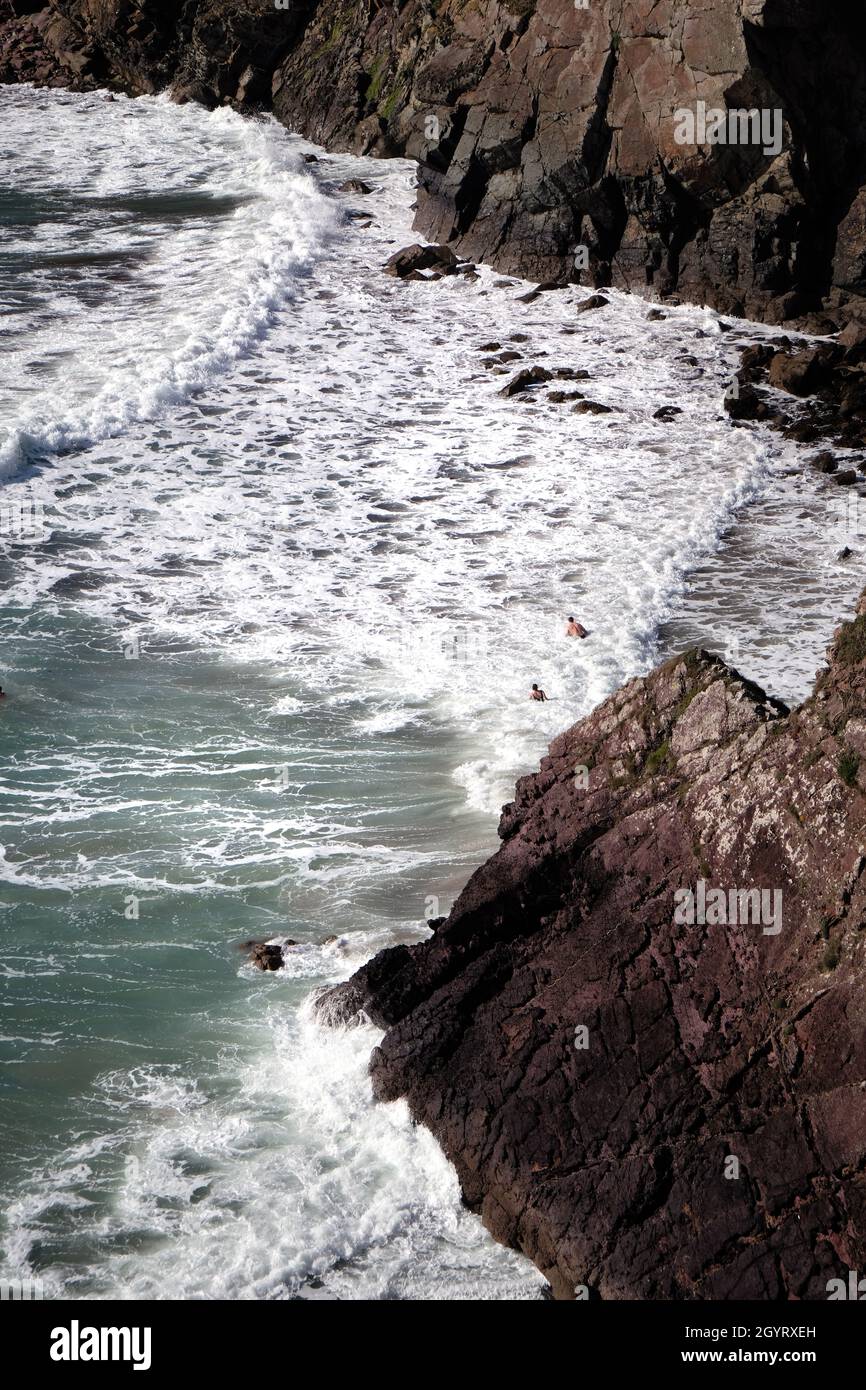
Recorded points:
279,566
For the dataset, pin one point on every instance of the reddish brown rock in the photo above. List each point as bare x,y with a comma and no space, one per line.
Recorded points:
802,373
647,1106
26,54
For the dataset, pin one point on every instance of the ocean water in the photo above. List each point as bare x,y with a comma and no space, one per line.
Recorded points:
278,566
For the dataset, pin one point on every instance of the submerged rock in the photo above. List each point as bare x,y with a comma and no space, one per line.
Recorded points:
79,583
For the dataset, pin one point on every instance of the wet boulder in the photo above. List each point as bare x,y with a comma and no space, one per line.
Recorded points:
595,301
802,373
415,258
530,376
825,462
744,403
267,955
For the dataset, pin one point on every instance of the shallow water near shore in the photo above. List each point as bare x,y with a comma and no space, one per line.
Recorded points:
279,565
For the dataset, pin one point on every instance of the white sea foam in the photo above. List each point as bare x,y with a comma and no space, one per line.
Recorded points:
378,553
294,1185
220,278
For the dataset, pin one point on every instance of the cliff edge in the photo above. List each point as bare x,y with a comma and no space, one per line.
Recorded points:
651,1078
549,132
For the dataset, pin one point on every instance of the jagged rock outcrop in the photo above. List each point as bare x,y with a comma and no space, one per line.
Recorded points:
27,56
543,126
650,1106
818,392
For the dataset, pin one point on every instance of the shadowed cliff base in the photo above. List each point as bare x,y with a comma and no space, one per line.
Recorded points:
650,1080
549,133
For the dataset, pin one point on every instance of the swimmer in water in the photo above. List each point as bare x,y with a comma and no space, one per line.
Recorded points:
575,629
537,694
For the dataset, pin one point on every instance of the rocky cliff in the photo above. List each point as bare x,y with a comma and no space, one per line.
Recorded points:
541,126
639,1035
653,1088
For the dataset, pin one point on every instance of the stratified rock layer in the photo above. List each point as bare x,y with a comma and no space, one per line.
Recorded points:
705,1136
542,126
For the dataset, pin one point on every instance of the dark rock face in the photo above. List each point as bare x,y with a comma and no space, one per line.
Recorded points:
649,1107
542,127
26,55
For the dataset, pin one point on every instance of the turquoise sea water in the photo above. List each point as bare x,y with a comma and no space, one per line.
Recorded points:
278,566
